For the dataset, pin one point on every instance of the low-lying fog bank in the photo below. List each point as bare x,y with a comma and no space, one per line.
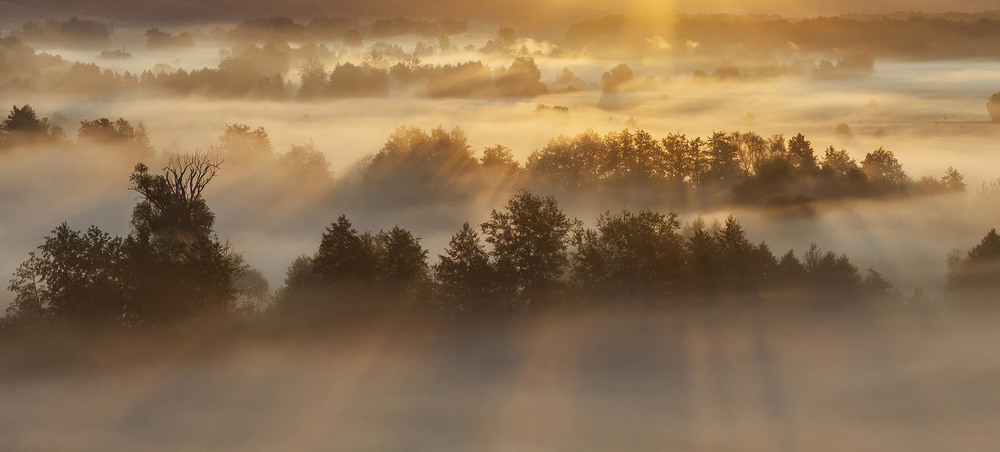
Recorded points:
729,377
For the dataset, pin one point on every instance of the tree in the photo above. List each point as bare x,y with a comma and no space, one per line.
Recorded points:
345,257
570,162
993,107
172,206
179,267
737,256
841,164
313,78
415,165
682,159
723,160
463,273
120,132
790,272
75,277
242,145
829,272
529,238
402,262
253,292
307,162
953,180
23,126
613,80
751,149
978,271
630,253
521,79
704,258
801,155
884,170
499,158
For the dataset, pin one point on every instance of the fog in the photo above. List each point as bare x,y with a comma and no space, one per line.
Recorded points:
719,379
751,373
929,126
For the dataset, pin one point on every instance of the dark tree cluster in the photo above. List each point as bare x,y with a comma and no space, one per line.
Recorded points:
757,170
23,127
254,72
158,39
735,167
171,267
527,256
976,273
464,80
374,269
530,255
120,133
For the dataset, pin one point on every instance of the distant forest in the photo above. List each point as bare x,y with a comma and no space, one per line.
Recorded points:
528,256
261,52
419,166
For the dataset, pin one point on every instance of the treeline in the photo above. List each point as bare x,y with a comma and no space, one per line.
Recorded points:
528,255
422,166
252,72
23,127
733,167
464,80
173,267
917,36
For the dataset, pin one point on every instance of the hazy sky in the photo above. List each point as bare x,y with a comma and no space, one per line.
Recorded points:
159,10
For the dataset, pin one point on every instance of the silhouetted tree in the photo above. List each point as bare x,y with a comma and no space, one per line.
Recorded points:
499,158
977,272
416,165
704,259
875,286
790,272
346,257
76,277
181,270
632,254
570,162
723,160
841,164
23,126
157,39
348,81
801,155
529,238
464,275
829,272
402,262
120,132
884,171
